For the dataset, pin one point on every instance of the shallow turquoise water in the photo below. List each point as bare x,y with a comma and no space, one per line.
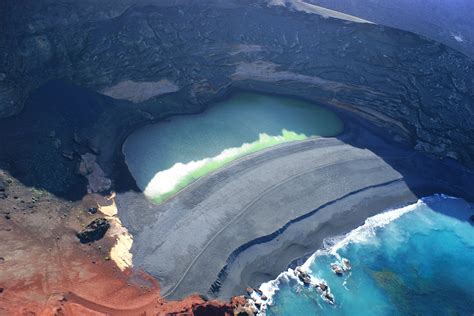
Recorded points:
188,147
418,264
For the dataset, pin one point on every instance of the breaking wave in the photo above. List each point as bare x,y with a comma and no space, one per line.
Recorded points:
363,236
167,182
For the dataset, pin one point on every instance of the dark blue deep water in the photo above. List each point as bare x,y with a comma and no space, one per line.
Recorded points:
418,260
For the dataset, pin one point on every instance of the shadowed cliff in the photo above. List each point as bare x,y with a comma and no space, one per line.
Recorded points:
176,56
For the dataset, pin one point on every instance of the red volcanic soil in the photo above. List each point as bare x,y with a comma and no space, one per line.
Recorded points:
44,270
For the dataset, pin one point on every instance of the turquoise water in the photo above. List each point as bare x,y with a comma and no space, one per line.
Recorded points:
165,157
418,260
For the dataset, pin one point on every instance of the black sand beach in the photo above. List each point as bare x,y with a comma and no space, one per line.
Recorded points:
244,224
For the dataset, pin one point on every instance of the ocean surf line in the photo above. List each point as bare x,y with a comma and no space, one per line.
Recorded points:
167,156
416,260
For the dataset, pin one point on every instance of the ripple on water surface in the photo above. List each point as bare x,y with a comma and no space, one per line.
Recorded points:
166,156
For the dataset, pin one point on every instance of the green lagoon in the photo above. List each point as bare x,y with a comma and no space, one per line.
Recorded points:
167,156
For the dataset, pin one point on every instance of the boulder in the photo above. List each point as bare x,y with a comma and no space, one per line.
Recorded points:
92,210
69,154
249,291
94,231
3,194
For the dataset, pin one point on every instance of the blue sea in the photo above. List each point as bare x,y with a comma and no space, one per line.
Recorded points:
416,260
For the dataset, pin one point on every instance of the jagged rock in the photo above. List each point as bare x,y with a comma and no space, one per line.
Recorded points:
92,210
69,154
94,231
94,148
212,308
3,193
77,139
57,143
89,168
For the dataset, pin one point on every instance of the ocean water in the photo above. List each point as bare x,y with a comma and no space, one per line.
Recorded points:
167,156
417,260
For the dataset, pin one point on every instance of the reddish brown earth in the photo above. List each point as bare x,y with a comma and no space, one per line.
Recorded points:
44,270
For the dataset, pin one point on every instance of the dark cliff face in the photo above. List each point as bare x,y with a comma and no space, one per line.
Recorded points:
422,91
448,22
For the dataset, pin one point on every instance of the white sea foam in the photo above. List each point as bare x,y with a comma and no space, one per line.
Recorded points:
362,234
169,180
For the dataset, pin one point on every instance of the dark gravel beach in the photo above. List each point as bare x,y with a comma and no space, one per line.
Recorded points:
243,224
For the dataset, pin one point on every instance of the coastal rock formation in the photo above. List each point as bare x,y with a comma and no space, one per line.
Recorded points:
419,90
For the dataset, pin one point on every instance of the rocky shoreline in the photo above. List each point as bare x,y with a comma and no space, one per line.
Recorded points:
63,136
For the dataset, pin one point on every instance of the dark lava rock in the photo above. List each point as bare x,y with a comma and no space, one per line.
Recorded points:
209,309
69,154
421,91
94,231
3,194
92,210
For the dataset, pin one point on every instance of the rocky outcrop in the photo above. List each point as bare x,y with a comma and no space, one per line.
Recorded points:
3,194
94,231
89,168
419,90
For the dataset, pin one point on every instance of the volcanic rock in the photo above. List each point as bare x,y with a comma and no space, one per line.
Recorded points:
89,168
94,231
68,154
421,91
92,210
3,194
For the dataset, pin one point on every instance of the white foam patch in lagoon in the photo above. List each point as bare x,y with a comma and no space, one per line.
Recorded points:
167,182
362,234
